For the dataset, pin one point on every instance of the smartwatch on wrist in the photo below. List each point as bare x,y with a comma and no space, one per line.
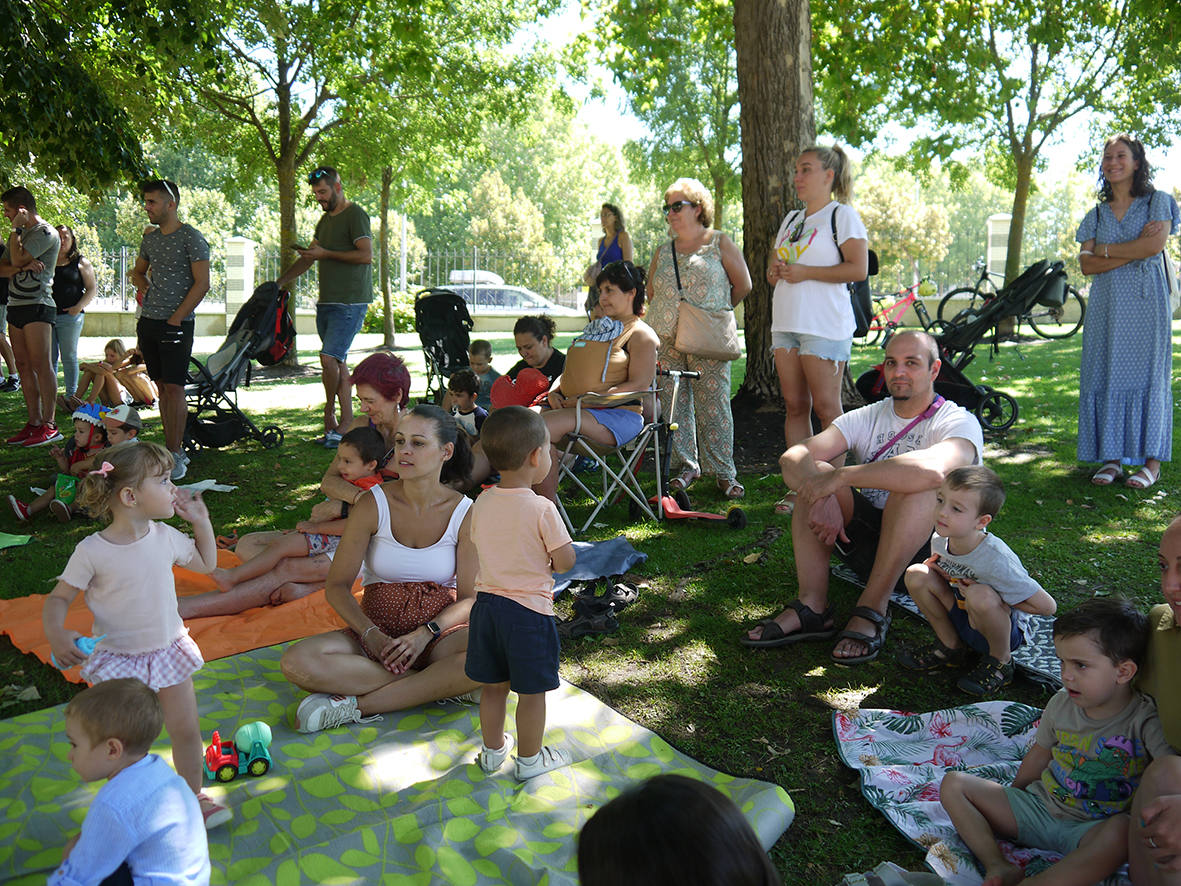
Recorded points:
434,629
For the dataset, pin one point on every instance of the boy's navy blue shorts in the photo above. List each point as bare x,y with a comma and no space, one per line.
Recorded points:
507,641
971,636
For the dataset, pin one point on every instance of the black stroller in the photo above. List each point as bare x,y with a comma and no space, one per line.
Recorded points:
1041,283
442,322
214,419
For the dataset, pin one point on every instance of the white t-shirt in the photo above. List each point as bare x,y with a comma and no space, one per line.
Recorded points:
130,588
866,430
992,563
814,307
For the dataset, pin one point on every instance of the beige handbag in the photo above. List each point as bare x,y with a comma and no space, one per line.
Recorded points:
712,335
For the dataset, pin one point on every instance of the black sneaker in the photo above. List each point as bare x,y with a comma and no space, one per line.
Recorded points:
987,678
10,384
934,657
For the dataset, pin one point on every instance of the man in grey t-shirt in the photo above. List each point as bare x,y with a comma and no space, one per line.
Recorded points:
173,268
343,246
29,262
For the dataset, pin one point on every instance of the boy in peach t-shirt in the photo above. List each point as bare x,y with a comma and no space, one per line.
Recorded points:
521,542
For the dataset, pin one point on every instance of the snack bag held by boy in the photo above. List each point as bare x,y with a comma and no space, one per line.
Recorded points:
521,542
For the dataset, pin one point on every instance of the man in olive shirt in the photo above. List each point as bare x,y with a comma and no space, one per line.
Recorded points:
343,246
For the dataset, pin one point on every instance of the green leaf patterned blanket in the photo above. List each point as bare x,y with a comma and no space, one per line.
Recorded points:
902,758
395,801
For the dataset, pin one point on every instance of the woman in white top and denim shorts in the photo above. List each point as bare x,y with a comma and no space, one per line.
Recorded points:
811,318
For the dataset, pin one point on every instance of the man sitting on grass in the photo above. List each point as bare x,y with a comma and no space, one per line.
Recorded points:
906,446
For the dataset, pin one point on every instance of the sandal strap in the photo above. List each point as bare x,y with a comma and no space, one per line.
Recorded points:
871,615
811,621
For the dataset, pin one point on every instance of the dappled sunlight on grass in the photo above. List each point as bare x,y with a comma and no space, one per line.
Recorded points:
848,699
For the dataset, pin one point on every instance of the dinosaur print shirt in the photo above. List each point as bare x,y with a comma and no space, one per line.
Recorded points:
1095,765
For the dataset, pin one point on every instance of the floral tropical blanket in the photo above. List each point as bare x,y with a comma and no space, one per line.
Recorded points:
902,758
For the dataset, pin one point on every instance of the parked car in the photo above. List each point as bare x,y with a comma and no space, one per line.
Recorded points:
500,298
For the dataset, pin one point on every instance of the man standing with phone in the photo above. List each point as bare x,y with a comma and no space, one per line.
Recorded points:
173,271
343,246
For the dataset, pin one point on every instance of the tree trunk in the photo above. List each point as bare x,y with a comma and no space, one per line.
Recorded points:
719,201
1023,160
387,176
285,173
1024,164
773,40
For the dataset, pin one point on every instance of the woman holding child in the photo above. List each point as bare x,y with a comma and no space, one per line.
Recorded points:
381,384
406,640
1125,406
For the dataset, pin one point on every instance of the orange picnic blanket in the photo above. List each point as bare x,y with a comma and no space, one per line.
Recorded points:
217,636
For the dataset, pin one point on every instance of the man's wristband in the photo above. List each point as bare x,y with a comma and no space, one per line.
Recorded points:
367,630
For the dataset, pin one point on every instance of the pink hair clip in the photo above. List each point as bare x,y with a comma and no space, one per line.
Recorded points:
105,469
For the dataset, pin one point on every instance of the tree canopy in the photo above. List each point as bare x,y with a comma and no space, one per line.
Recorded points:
1002,78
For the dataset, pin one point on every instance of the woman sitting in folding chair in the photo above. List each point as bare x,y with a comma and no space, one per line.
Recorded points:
615,354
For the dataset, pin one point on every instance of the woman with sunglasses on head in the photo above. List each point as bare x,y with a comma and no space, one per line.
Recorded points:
74,287
811,319
714,277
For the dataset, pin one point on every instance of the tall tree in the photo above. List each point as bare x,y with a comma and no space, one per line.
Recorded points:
676,60
302,74
1001,77
773,39
79,82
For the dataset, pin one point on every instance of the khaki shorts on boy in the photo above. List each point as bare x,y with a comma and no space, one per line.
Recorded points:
1038,828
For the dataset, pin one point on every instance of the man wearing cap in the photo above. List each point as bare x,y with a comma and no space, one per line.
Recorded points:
343,246
178,258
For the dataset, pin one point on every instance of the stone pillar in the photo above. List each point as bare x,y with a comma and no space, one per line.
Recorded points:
239,274
998,243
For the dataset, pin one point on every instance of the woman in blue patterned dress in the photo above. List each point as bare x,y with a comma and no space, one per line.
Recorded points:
1125,413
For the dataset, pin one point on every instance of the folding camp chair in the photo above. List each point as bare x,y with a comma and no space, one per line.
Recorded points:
618,466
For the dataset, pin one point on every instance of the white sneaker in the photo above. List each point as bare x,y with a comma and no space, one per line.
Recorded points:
180,466
468,698
543,761
321,711
490,760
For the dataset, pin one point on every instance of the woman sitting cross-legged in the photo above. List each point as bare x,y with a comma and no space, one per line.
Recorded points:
614,354
406,640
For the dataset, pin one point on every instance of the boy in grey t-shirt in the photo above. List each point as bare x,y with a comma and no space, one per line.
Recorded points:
972,589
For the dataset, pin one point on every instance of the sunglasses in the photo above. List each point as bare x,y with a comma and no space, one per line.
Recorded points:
675,208
624,269
171,193
797,233
318,173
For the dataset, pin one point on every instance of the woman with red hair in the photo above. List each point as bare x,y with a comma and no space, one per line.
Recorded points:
381,384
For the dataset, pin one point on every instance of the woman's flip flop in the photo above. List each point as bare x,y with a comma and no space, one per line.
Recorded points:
227,542
1108,474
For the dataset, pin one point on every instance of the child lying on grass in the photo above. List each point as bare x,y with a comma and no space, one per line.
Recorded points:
356,461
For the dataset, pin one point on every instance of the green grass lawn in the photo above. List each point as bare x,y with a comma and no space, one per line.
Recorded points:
675,665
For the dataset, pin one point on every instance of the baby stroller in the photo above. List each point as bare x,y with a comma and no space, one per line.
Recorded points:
1041,283
214,419
442,322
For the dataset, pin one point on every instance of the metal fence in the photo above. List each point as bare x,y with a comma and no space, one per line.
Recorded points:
112,274
558,278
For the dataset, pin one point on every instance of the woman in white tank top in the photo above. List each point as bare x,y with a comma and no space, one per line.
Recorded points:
406,639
